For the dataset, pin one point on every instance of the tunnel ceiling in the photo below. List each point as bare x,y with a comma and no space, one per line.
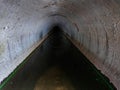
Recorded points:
92,25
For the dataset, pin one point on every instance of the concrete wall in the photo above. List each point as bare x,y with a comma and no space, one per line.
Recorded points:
97,33
23,24
93,25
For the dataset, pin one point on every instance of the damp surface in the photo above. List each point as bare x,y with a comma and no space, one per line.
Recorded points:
57,65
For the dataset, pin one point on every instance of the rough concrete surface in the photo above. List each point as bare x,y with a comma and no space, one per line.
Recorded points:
94,25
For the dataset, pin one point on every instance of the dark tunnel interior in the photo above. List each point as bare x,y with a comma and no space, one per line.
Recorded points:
58,60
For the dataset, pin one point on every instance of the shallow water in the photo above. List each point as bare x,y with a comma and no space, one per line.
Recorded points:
54,79
57,65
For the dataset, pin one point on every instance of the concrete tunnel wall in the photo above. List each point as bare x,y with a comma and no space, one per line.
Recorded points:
92,25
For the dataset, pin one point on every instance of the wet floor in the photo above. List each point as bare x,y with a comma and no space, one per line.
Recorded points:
54,79
57,65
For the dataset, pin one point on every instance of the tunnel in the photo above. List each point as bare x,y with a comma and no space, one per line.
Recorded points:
78,40
57,65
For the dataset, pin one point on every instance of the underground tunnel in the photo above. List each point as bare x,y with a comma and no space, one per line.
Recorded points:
57,65
60,36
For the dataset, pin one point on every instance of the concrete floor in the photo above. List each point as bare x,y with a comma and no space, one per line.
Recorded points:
57,65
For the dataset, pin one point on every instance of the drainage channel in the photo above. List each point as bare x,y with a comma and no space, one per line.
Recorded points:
57,65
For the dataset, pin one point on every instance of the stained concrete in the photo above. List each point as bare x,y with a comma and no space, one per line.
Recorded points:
93,25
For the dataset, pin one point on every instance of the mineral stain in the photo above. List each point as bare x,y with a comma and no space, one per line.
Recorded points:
2,48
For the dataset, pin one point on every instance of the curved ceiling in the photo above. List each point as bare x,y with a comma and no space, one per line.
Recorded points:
93,25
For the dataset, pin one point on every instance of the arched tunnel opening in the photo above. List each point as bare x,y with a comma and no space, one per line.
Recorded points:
57,65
